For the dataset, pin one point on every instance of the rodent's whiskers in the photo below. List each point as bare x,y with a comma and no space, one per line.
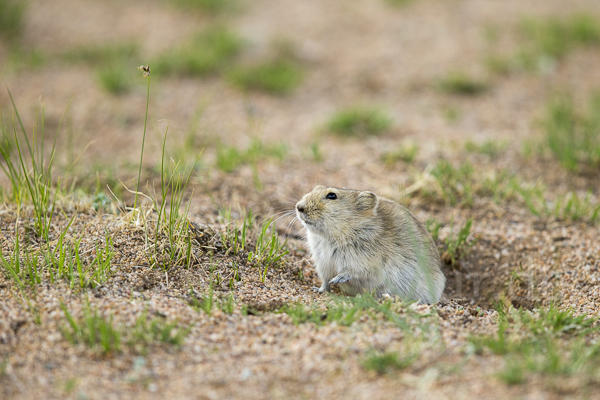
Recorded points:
283,215
285,233
295,196
279,215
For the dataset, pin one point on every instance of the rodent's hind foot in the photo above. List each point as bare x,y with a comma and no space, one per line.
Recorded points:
341,278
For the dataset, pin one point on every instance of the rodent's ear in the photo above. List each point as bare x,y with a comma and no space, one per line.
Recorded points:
366,201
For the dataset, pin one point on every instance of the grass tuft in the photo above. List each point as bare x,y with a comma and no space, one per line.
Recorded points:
359,121
11,19
172,223
229,158
115,79
399,3
458,82
147,331
405,153
209,301
385,362
102,55
207,53
455,184
554,38
458,246
210,6
513,373
461,184
112,61
268,250
26,58
574,138
279,77
93,330
545,41
490,148
549,343
29,173
103,335
433,226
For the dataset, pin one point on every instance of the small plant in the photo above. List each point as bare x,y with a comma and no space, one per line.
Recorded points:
341,312
572,137
499,64
433,226
93,330
546,41
171,221
103,55
513,373
454,183
452,114
70,385
101,334
279,77
458,82
12,268
459,185
205,54
206,303
268,250
115,79
385,362
210,6
575,208
29,173
405,153
316,152
229,158
359,121
399,3
234,236
209,301
488,147
300,314
346,311
554,37
553,321
26,58
228,305
66,262
500,186
111,60
458,246
532,343
11,19
147,331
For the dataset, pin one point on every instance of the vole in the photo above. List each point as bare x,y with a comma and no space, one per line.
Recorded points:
364,242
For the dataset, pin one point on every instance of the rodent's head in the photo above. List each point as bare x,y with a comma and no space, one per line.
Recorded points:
336,212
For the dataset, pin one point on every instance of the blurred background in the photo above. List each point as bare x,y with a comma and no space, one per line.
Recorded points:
280,95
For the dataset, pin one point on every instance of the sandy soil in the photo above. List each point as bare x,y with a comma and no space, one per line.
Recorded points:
354,52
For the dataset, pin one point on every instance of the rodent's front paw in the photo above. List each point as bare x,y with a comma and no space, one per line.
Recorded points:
341,278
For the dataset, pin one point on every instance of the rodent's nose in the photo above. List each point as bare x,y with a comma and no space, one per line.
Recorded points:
300,207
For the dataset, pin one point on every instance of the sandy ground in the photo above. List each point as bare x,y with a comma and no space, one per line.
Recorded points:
354,52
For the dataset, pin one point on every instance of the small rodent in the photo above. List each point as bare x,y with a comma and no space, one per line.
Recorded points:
368,243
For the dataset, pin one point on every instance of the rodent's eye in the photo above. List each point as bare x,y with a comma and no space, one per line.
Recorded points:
331,196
